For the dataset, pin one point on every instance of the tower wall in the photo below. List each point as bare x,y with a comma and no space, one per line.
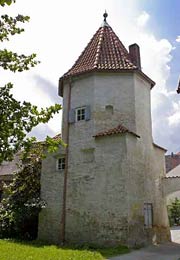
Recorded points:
111,177
49,228
144,185
96,202
117,90
143,109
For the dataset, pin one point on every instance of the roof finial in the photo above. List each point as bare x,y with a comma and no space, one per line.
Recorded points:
105,16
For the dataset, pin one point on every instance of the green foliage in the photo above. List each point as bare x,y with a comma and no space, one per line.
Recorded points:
21,203
16,118
53,144
8,2
174,212
9,25
14,62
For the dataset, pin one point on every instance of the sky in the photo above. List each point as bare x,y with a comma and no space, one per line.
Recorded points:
58,32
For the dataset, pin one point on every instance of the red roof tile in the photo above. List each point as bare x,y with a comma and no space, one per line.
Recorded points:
104,52
57,137
117,130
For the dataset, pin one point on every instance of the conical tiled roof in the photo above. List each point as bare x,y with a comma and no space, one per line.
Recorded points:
104,52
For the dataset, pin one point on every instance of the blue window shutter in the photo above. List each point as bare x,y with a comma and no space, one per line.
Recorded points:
72,116
60,91
87,113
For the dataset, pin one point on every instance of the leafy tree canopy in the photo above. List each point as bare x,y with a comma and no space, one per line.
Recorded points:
174,212
21,204
8,2
17,118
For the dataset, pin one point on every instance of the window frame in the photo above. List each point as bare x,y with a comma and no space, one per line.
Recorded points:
62,163
148,215
81,115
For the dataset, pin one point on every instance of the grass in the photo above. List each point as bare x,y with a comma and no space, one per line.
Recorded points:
16,250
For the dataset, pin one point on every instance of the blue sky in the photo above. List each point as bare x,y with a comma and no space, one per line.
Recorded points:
166,21
59,31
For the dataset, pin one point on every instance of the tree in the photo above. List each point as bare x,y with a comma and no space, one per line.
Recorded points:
17,118
21,203
8,2
174,212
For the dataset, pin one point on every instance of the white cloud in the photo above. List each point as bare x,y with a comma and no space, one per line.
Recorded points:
142,19
62,30
178,38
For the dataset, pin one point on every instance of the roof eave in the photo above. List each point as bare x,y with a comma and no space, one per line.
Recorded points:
65,77
152,83
162,148
105,135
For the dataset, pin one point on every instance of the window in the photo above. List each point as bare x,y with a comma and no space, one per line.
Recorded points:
109,109
148,215
80,113
61,163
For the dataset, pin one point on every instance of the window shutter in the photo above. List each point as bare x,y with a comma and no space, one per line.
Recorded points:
72,116
87,113
148,215
60,92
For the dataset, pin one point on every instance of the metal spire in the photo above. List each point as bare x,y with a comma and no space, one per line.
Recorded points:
105,16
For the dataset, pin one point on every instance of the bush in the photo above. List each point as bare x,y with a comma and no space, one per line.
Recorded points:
21,204
174,212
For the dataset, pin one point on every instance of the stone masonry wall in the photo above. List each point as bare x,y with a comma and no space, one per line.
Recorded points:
97,209
51,192
146,187
109,178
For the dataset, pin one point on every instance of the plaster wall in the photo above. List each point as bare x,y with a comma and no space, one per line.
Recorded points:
143,108
51,192
171,185
97,212
109,178
144,185
117,90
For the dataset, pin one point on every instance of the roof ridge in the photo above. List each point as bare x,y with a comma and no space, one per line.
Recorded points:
99,47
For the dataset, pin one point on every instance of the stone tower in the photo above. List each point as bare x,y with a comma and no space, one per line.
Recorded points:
105,187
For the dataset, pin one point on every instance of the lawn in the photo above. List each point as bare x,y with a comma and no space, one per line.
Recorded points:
14,250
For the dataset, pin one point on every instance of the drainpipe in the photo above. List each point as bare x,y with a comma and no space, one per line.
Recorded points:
63,219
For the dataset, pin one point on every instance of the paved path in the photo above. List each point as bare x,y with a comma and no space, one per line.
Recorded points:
169,251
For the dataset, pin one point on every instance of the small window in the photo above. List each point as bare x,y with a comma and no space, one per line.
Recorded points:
109,109
80,113
148,215
61,163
